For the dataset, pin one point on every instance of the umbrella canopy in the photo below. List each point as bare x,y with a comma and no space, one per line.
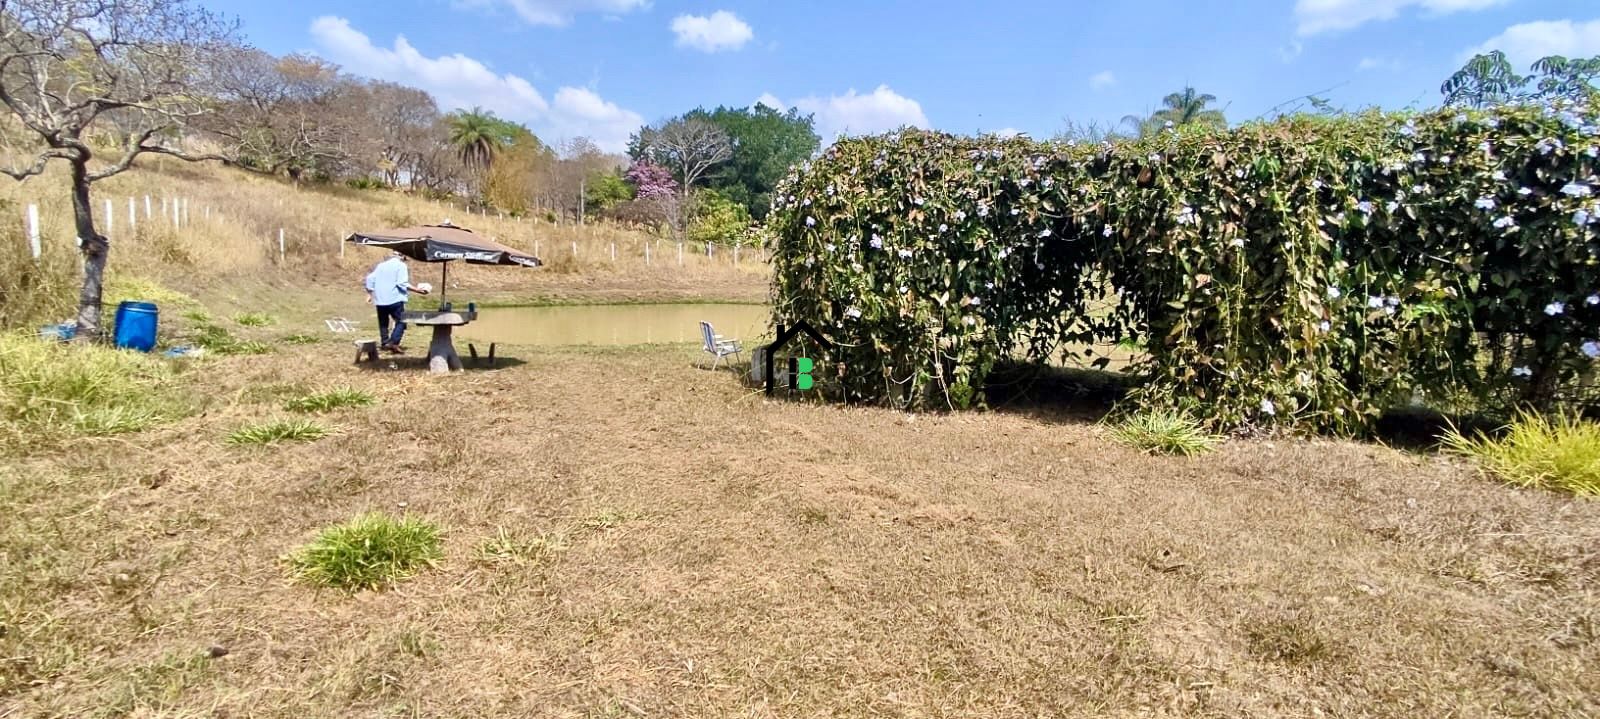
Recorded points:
443,243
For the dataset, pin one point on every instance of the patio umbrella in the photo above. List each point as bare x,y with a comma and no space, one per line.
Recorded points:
444,243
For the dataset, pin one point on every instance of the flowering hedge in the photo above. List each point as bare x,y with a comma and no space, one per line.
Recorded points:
1309,272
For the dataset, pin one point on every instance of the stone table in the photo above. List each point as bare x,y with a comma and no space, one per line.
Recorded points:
442,357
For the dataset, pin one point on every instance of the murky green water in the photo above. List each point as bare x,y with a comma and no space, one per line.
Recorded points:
614,324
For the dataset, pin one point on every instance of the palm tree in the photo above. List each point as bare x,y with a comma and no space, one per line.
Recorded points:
475,135
1188,107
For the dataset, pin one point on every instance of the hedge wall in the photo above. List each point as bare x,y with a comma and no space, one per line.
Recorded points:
1308,273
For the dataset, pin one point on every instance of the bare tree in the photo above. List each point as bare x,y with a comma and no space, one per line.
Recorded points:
689,147
404,121
67,64
282,115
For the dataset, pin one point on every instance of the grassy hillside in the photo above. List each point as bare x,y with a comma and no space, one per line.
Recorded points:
229,244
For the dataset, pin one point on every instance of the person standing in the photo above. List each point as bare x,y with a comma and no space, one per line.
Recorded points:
387,287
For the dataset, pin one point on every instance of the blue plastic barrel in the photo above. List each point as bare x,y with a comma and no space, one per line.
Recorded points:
136,325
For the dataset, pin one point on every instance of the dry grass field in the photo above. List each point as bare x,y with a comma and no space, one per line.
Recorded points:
628,535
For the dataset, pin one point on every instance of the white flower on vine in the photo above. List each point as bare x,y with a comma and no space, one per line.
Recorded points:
1024,182
810,261
1325,326
1486,147
904,289
1547,145
1499,175
1239,173
1555,308
1316,184
1580,218
968,321
1186,215
1334,293
1045,233
1106,232
1365,207
1047,183
1237,242
829,246
811,221
904,253
1504,223
1591,349
877,242
1592,300
1484,203
1418,158
1523,191
1492,122
983,210
961,216
943,227
1522,371
830,189
1391,301
1392,206
1267,408
1005,252
807,203
852,313
988,285
1592,151
1445,160
978,168
1375,301
1408,129
1015,212
1576,189
917,200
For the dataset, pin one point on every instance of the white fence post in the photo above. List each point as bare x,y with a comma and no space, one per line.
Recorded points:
613,252
680,254
735,253
280,245
175,216
133,215
147,207
32,220
574,248
647,253
110,217
185,210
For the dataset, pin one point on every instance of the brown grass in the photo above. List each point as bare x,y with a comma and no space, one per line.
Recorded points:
627,535
237,244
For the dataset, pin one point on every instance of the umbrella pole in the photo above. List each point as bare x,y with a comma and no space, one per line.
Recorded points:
444,281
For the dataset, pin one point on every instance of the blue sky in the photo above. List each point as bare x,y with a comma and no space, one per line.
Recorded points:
599,68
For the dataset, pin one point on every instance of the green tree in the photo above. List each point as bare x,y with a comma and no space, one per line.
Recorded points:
1189,108
478,136
1487,79
765,142
717,218
605,190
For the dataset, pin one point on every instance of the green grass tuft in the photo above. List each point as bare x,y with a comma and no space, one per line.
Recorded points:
1164,432
298,339
273,432
1560,453
137,289
218,340
49,388
331,400
367,552
254,319
505,548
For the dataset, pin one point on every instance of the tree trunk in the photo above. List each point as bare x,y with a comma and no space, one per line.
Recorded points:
95,249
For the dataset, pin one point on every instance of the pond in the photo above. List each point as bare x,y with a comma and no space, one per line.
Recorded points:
615,324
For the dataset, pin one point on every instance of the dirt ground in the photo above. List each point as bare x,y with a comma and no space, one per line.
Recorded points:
710,553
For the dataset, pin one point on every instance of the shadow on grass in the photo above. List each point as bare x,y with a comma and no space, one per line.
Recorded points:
1055,394
419,363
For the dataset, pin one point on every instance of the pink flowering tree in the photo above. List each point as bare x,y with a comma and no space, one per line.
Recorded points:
657,193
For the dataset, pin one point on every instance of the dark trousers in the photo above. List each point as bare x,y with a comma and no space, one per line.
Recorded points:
385,314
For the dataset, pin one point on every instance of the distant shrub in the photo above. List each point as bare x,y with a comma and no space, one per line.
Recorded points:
218,340
366,183
298,339
368,552
1561,453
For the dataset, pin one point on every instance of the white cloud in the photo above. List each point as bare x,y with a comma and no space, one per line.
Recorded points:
1377,63
770,100
855,114
1525,43
558,13
1291,51
1007,132
1319,16
459,81
1102,80
722,30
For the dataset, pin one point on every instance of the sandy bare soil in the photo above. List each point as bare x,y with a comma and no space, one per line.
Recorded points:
708,553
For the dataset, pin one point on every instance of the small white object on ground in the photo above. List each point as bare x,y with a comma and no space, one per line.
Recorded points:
425,287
